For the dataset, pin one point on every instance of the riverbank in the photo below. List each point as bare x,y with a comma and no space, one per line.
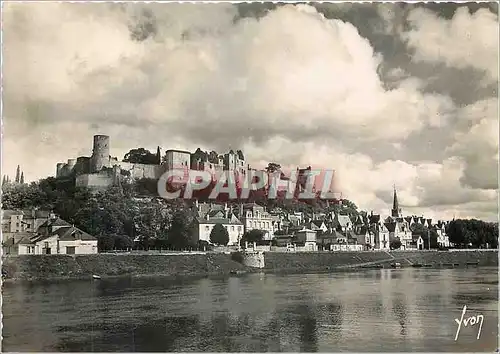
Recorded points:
65,267
378,259
62,267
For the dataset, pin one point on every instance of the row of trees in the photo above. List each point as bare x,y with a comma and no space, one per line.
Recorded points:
473,233
19,177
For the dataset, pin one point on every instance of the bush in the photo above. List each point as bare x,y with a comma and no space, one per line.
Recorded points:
395,244
219,235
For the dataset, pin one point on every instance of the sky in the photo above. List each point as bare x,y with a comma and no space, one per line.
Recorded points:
383,93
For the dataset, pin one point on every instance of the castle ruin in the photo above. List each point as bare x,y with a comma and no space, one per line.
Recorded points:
101,170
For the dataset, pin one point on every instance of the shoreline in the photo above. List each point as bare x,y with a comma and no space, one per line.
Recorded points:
63,268
34,268
195,276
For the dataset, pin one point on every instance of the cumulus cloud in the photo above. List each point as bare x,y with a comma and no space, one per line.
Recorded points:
466,40
477,144
289,86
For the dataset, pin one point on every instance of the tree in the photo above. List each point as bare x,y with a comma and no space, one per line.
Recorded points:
22,178
252,236
105,243
427,234
432,237
395,244
18,174
122,242
475,233
345,207
273,167
140,155
179,237
457,232
219,235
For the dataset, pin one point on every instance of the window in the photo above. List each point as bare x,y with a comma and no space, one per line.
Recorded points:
46,244
70,249
207,227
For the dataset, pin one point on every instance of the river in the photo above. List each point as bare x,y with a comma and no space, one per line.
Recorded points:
368,311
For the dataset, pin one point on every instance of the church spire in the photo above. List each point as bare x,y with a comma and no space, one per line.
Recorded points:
395,212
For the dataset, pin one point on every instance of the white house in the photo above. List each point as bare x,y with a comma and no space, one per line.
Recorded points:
231,223
382,236
399,228
255,217
344,222
39,232
442,240
19,244
64,240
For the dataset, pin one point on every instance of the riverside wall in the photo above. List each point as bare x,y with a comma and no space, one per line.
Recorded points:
56,267
337,260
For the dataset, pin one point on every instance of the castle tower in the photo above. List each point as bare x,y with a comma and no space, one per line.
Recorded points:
71,164
396,211
100,153
59,168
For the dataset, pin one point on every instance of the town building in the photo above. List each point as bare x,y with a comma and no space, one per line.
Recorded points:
318,225
210,215
16,222
41,232
308,239
442,240
64,240
417,243
255,217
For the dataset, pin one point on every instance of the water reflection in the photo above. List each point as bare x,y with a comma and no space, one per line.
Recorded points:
400,310
376,310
